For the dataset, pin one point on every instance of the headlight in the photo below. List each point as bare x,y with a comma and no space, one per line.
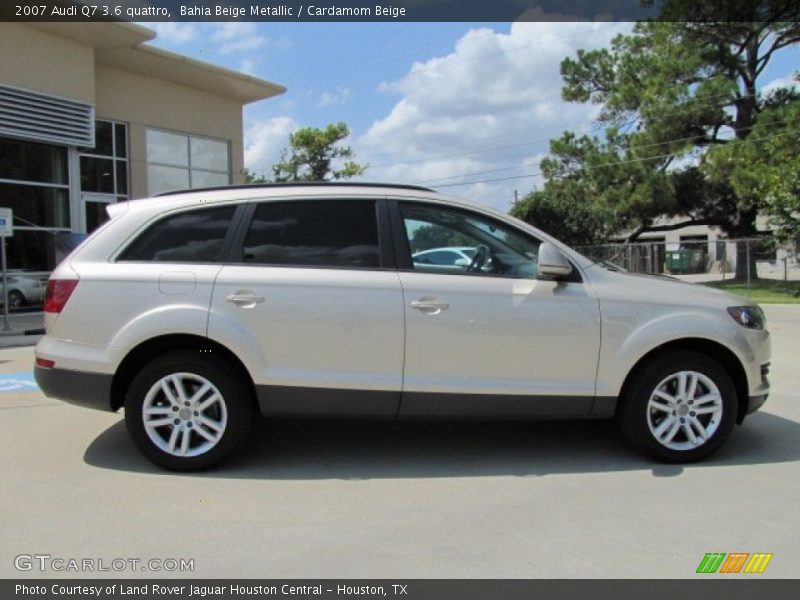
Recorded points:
751,317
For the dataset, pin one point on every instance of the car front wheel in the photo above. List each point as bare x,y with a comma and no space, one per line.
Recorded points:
187,411
681,407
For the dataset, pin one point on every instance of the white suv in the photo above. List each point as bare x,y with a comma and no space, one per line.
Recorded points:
195,310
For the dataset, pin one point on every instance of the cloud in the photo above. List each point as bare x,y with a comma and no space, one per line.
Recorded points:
173,34
341,95
484,111
244,45
264,140
282,43
248,65
786,82
238,37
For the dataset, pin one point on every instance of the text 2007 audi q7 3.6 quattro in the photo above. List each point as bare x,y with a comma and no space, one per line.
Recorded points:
197,310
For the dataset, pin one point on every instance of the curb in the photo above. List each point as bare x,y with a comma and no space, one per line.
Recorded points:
29,337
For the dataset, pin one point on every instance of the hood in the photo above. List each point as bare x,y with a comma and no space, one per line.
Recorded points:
661,289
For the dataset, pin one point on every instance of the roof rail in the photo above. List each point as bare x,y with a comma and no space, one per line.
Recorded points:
251,186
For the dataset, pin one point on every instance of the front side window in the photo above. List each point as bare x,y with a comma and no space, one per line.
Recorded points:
446,240
180,161
326,233
194,236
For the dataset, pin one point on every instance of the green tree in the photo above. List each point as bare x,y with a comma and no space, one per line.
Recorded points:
567,208
765,167
426,237
253,177
672,93
314,154
570,218
592,189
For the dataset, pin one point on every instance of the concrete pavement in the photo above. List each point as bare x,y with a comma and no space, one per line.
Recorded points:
403,500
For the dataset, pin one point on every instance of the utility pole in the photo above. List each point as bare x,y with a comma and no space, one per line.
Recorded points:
6,230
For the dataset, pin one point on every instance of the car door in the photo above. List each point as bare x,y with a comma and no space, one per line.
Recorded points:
308,300
490,339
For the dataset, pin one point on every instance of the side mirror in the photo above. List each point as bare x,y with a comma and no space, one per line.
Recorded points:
461,262
552,262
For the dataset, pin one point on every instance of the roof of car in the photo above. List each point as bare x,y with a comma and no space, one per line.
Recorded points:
293,184
212,195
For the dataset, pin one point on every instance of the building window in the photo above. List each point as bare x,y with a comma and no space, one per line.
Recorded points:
104,172
32,162
179,161
34,183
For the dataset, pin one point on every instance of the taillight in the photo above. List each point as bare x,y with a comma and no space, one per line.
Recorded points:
57,294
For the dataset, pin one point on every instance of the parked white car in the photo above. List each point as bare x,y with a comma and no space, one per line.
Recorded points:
196,310
455,258
23,290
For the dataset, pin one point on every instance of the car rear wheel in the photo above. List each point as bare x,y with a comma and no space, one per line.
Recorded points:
15,300
187,411
681,407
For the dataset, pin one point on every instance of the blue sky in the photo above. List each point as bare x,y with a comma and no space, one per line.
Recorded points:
431,103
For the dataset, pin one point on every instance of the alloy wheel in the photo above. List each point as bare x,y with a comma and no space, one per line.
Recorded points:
684,410
184,414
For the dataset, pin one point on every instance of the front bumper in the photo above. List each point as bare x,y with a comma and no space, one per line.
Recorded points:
92,390
756,402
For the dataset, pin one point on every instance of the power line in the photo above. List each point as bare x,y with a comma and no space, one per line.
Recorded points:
479,150
589,167
653,145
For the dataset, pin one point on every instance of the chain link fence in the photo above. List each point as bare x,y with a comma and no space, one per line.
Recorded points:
704,261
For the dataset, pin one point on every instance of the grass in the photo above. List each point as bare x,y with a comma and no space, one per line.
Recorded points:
763,291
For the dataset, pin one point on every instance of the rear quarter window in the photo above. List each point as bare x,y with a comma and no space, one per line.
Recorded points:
192,236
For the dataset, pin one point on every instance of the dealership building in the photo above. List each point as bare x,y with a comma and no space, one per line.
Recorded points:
90,114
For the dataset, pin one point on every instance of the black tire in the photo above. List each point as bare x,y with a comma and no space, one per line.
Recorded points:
235,409
15,300
635,418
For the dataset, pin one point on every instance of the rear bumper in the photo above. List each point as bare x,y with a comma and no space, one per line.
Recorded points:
92,390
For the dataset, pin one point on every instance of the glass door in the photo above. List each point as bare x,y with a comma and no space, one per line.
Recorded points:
103,173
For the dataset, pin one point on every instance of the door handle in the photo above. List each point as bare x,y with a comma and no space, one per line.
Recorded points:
245,299
429,306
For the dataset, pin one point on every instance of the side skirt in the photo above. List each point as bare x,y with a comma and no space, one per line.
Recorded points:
289,401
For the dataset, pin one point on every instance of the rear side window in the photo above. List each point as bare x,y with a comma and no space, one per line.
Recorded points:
328,233
195,236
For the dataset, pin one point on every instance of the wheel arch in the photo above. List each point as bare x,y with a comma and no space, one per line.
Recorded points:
13,290
729,361
141,354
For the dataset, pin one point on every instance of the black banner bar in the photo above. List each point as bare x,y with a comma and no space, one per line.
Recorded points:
708,588
399,10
